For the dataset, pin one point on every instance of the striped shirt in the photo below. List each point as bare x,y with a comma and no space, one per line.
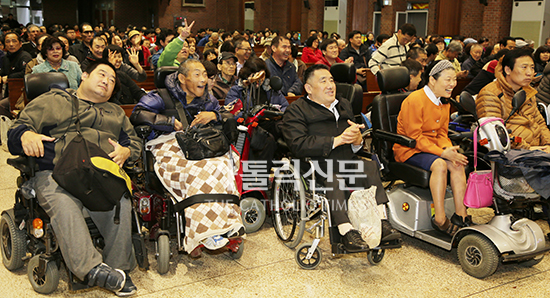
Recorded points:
389,54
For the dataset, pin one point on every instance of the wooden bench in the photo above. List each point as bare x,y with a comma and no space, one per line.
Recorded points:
16,87
372,84
149,83
128,109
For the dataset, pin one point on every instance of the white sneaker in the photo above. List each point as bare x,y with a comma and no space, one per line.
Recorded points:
214,242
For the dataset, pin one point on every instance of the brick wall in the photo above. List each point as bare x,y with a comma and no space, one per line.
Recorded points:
135,12
216,13
472,15
496,19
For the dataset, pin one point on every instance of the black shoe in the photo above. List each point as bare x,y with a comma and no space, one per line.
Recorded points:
461,222
353,242
106,277
129,288
388,232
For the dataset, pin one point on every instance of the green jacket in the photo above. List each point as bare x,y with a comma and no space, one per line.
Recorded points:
168,56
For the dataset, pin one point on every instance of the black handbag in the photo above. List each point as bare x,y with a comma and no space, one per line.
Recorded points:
202,141
88,173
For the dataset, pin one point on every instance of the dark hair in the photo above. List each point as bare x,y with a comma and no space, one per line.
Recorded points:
426,74
408,29
310,40
438,40
275,42
511,57
413,66
208,52
48,43
500,54
432,49
540,50
380,38
113,48
211,69
353,33
16,35
415,52
504,42
482,40
310,70
95,63
225,35
60,34
253,65
228,46
327,42
239,41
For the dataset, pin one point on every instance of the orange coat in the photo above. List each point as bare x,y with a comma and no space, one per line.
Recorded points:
422,120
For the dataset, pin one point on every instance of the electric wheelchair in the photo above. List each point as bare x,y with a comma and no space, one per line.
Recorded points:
25,230
159,212
480,248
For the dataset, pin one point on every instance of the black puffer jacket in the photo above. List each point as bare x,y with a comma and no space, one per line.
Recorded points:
543,89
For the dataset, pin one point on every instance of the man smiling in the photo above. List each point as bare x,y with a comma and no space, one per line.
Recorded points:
44,121
279,66
320,126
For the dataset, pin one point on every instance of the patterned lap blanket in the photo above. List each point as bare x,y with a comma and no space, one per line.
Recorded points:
184,178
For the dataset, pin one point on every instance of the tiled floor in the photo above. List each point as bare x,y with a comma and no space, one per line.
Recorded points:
268,269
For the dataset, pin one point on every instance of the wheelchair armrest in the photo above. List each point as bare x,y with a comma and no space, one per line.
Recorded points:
465,118
24,164
455,136
394,138
143,131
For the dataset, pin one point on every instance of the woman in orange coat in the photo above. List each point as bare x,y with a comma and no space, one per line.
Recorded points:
425,118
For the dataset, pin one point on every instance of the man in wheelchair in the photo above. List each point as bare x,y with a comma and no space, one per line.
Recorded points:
320,126
184,104
39,133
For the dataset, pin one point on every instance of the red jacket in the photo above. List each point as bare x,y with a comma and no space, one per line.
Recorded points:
310,55
325,61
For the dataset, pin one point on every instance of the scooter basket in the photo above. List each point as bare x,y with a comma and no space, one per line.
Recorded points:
510,183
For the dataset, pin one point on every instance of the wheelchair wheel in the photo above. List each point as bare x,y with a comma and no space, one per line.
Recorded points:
252,213
375,256
477,255
304,263
163,249
288,197
44,283
13,243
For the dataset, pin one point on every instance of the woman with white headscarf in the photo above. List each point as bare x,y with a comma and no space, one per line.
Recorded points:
425,118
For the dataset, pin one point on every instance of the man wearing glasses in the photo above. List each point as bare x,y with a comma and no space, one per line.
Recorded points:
81,50
243,50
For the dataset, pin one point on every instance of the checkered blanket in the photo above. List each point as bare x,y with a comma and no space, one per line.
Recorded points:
184,178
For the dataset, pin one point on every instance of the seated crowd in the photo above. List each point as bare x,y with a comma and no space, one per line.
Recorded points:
216,68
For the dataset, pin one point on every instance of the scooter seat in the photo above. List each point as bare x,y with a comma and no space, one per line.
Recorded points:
410,174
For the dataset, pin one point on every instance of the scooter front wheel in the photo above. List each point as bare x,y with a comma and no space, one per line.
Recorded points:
477,255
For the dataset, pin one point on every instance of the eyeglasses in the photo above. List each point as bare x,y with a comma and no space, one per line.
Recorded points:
55,49
247,50
88,32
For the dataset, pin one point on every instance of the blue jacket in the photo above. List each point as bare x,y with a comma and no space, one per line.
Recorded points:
275,98
287,73
153,110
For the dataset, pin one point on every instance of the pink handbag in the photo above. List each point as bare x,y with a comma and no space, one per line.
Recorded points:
479,190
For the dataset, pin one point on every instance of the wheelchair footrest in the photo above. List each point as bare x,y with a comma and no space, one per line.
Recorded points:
76,284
